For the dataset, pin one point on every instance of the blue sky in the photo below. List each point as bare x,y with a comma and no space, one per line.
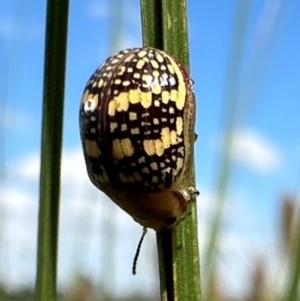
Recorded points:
266,151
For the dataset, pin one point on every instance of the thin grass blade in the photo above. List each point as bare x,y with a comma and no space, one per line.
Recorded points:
52,124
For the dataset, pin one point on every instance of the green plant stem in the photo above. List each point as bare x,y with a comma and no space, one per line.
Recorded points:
53,98
152,23
164,25
292,287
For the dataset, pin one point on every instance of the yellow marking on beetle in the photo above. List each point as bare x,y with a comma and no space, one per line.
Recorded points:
102,179
156,121
126,179
140,64
173,137
165,137
85,96
126,83
129,58
174,95
121,70
105,176
179,164
157,103
179,125
113,126
180,99
142,53
154,166
98,178
159,147
130,69
156,88
122,102
165,96
154,64
134,96
117,149
122,148
115,61
118,81
155,73
130,179
137,176
132,116
127,147
100,83
149,147
135,131
181,151
171,110
136,75
123,127
141,160
159,57
93,99
112,106
91,148
146,170
170,67
146,99
122,177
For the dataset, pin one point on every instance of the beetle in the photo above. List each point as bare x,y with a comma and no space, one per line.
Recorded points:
137,120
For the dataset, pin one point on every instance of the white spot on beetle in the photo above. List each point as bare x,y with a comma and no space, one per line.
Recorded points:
90,105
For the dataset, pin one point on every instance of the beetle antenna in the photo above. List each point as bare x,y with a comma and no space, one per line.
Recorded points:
137,252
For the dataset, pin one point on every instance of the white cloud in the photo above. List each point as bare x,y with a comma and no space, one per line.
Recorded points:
255,151
244,237
90,225
28,169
